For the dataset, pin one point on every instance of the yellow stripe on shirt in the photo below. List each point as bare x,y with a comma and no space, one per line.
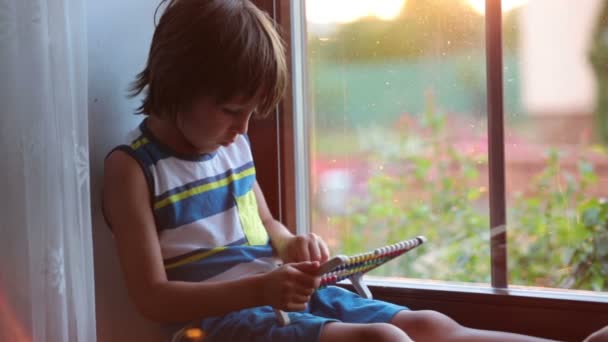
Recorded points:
204,188
195,257
139,143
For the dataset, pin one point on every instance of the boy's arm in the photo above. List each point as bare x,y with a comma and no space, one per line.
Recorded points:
290,247
126,201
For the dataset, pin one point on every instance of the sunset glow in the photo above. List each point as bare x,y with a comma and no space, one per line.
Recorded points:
507,5
345,11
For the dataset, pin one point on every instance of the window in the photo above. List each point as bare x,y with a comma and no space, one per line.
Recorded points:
287,186
395,135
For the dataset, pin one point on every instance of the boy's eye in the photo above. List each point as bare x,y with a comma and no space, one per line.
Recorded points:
232,111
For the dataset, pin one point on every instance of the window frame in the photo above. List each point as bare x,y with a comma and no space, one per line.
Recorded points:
496,143
273,138
558,314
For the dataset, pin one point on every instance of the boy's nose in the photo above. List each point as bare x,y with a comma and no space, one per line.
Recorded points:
241,125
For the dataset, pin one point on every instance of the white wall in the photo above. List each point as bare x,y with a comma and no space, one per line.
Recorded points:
119,33
555,38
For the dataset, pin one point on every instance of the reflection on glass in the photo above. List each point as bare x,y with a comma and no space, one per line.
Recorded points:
398,129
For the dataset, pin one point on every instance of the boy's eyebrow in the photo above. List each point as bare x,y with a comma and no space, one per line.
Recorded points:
240,103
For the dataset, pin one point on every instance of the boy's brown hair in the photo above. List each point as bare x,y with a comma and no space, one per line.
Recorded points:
217,48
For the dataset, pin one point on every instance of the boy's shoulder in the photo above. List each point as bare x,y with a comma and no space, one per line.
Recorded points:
143,146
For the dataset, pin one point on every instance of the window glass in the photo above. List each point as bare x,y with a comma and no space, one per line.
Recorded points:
556,133
396,99
397,117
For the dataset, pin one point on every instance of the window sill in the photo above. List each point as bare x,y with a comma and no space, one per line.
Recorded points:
548,313
472,289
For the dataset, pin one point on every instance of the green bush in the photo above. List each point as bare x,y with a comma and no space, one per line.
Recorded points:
557,235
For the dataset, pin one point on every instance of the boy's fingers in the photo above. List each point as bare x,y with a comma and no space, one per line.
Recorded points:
324,252
306,275
304,254
300,299
300,249
309,267
314,251
304,291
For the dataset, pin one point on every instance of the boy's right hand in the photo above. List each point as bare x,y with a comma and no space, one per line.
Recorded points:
290,286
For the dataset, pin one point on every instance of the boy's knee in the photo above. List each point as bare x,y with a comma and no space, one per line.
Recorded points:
384,332
435,317
426,323
598,336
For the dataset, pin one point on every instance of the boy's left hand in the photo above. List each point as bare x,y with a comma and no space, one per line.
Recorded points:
308,247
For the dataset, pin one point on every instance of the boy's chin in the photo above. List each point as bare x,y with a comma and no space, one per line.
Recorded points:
214,147
208,149
226,143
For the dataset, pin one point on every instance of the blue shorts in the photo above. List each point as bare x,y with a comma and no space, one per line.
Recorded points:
330,304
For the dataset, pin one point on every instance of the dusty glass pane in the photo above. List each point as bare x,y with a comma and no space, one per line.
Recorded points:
556,134
396,99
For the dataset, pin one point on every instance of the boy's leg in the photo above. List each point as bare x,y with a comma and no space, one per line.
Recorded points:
426,325
355,332
598,336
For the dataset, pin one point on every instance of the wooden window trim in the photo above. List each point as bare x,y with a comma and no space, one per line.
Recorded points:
496,145
273,138
547,314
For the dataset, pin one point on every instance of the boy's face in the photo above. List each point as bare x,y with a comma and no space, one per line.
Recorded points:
209,125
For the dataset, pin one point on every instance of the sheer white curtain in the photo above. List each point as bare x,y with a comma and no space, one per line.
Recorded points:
46,265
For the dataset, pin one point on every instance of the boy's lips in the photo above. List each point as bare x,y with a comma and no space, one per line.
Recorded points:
228,141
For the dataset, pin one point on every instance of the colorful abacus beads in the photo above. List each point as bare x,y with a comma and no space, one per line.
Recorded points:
365,262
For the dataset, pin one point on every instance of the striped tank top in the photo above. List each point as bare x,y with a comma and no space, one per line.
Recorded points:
205,209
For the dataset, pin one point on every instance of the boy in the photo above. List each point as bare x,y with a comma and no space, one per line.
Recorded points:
194,235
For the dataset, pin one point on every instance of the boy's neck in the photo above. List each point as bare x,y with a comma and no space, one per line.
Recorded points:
168,134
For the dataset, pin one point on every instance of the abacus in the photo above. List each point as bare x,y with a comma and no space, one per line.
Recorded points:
354,267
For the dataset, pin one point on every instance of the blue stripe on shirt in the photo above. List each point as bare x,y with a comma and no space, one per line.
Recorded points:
202,205
179,258
218,263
